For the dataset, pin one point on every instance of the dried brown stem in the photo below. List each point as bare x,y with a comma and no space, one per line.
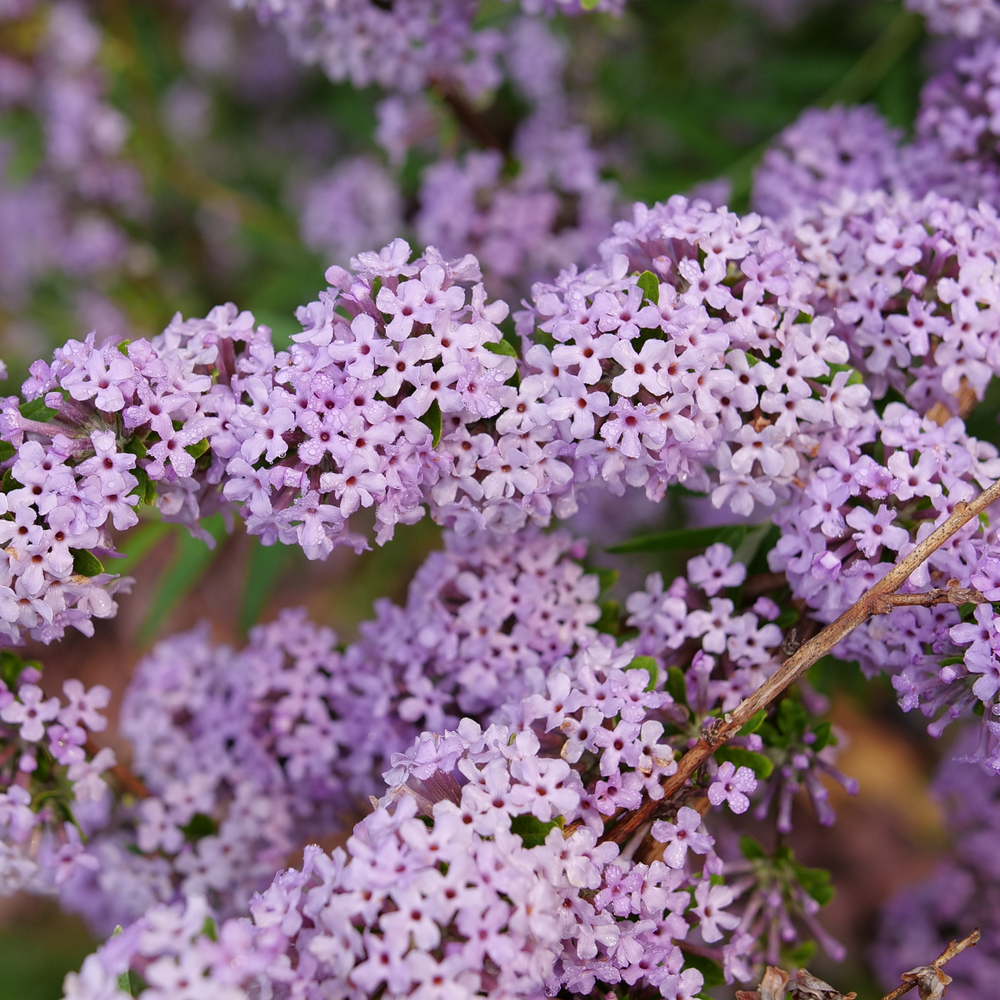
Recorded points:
129,782
879,600
954,948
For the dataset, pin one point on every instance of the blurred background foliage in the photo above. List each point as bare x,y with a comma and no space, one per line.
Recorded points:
676,93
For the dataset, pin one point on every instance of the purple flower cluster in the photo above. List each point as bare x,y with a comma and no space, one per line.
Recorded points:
48,778
246,754
824,153
854,517
459,882
965,18
402,46
910,281
956,151
102,425
62,216
556,209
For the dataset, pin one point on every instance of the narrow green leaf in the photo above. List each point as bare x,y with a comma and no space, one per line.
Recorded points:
192,558
683,539
755,722
139,541
760,765
532,830
650,285
432,418
675,685
86,563
265,565
7,451
504,347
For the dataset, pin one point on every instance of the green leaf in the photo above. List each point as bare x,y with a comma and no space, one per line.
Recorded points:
210,929
856,378
815,881
760,765
37,410
824,736
192,557
135,447
650,285
754,723
197,449
798,957
139,541
712,971
200,825
86,563
123,347
607,577
7,451
675,685
432,418
792,717
145,489
609,621
504,347
265,565
750,849
532,830
11,666
9,483
683,539
648,664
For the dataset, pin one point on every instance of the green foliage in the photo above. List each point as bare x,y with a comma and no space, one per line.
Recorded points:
647,663
12,666
712,971
432,418
265,565
200,825
650,285
191,560
532,830
760,765
675,685
683,539
755,722
86,563
37,410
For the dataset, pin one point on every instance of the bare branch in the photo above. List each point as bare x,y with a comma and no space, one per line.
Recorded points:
879,600
932,973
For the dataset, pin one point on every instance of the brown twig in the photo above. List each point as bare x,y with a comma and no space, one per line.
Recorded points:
128,781
879,600
912,978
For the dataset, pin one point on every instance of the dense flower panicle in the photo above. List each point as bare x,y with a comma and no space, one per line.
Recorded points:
463,849
964,18
554,211
963,891
483,624
248,753
956,149
855,517
62,216
403,46
354,206
700,374
823,153
911,287
102,425
48,778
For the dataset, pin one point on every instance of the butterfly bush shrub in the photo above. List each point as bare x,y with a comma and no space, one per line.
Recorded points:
524,782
